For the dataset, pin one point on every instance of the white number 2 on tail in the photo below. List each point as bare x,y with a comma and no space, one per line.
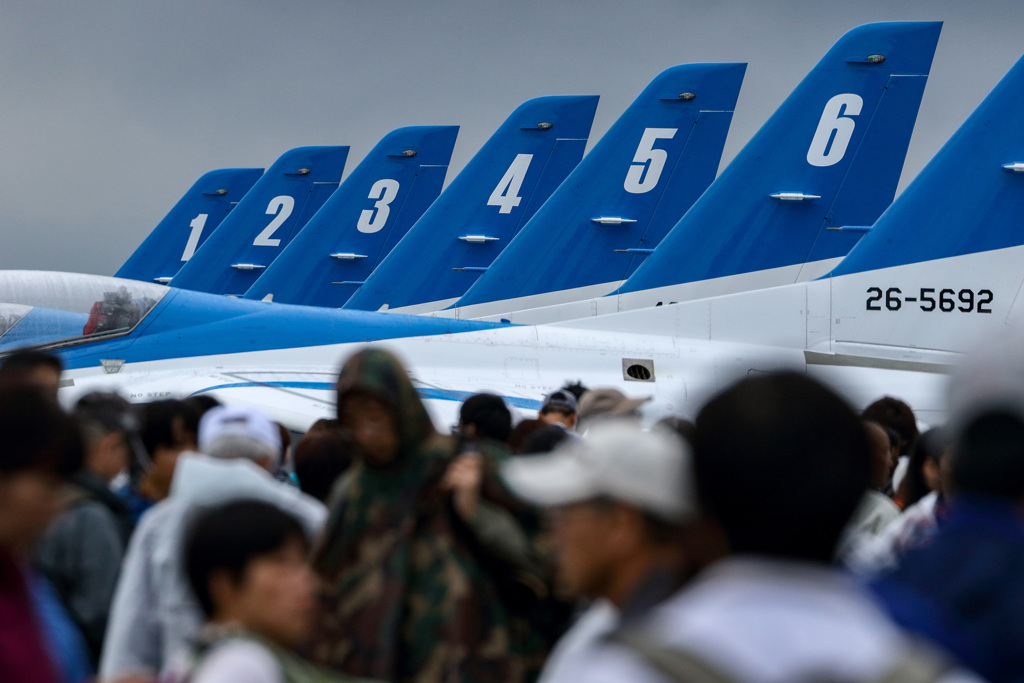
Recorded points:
283,207
648,162
506,194
834,129
384,191
197,225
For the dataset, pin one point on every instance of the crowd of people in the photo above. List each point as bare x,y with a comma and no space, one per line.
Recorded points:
778,536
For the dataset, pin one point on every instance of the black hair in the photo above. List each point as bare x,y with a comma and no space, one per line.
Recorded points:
489,414
200,404
895,414
930,446
781,462
38,434
988,458
577,389
106,412
679,426
227,538
544,439
167,423
321,457
27,361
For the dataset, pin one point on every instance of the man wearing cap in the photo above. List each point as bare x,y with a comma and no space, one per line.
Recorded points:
620,503
559,408
780,464
600,404
154,614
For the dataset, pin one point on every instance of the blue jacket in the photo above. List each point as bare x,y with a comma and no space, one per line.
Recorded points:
965,589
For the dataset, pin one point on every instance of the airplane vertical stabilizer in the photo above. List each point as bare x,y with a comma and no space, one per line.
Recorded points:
362,221
276,208
483,208
617,205
945,264
828,160
186,226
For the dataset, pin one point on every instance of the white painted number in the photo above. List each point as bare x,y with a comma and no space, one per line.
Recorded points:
282,206
506,194
648,163
197,225
372,220
834,130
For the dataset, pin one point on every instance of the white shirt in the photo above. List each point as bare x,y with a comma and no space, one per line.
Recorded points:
768,621
573,650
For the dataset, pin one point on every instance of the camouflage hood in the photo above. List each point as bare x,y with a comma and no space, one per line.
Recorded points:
403,595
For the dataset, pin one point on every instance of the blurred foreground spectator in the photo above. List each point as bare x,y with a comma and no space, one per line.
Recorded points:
411,588
35,368
81,552
154,614
42,450
601,404
246,564
619,501
560,408
780,463
965,588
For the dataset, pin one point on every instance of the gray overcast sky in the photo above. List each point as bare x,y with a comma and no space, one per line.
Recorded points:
110,110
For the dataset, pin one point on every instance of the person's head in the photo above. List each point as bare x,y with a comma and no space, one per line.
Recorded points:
378,407
601,404
246,564
926,469
618,500
240,432
42,449
988,456
545,439
37,368
895,414
321,457
781,463
110,426
169,428
881,464
485,416
560,407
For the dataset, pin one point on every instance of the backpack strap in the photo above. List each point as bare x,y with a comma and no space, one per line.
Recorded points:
678,664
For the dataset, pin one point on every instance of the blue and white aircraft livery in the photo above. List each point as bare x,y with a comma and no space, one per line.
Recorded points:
501,187
263,223
789,205
940,268
362,221
184,229
631,188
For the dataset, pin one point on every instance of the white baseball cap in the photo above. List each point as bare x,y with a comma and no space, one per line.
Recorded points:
650,470
237,420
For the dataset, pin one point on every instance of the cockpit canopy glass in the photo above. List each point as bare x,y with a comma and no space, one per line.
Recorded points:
40,307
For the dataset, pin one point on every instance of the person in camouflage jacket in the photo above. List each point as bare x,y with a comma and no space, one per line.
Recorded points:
409,591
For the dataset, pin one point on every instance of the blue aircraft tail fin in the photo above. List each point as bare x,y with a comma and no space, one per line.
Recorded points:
968,199
263,223
362,221
477,215
631,188
186,226
829,157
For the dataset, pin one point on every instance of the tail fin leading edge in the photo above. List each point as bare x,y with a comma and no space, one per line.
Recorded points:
479,213
186,226
263,223
362,221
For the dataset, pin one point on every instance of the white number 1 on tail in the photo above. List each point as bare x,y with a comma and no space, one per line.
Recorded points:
197,225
